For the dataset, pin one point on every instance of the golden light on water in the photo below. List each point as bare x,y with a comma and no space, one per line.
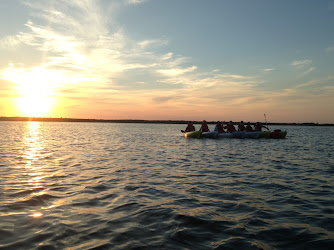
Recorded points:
32,154
35,169
37,215
33,142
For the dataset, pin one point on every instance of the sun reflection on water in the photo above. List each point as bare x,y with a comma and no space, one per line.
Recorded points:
32,154
33,142
33,164
37,215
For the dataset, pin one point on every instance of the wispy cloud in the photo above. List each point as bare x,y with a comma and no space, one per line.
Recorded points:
135,1
81,43
152,43
177,71
315,83
307,71
9,42
301,63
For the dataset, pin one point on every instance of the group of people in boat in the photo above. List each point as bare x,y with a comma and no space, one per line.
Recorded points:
228,128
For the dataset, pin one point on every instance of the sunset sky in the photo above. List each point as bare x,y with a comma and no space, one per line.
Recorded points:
168,59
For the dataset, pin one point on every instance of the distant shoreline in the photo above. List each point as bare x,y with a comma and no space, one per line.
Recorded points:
43,119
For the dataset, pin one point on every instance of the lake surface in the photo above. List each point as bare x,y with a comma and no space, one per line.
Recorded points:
145,186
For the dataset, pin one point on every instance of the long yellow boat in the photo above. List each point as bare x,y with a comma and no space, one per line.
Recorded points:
193,134
276,134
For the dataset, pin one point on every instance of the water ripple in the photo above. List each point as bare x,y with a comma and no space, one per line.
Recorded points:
141,186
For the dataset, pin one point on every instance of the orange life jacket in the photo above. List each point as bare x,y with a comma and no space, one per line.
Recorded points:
241,127
249,128
230,128
190,128
220,128
258,127
205,127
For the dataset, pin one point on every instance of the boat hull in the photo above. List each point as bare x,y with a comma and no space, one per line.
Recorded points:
240,135
252,135
225,135
212,134
193,134
276,134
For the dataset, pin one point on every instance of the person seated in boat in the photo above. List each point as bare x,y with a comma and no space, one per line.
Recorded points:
258,127
241,126
249,127
219,127
204,127
190,127
230,127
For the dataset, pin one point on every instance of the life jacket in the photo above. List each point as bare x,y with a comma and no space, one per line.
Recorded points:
241,127
230,128
190,128
249,128
219,128
205,127
258,127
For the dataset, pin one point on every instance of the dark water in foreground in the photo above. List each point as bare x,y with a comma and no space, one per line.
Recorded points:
142,186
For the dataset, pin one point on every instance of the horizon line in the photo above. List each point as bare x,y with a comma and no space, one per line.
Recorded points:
66,119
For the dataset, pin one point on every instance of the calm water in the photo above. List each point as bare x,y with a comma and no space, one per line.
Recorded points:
143,186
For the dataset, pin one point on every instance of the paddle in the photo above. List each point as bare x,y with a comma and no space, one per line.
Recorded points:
265,117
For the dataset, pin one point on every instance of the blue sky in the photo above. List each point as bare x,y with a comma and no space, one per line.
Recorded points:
157,59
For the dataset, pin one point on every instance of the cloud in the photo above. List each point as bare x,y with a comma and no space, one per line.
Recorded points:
177,71
163,99
301,63
233,76
306,92
9,42
86,47
152,43
75,37
307,71
167,56
316,83
330,49
135,1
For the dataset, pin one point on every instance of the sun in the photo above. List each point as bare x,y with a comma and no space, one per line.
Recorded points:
35,105
35,89
39,90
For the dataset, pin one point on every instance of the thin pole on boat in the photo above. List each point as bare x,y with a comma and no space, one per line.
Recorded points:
265,117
